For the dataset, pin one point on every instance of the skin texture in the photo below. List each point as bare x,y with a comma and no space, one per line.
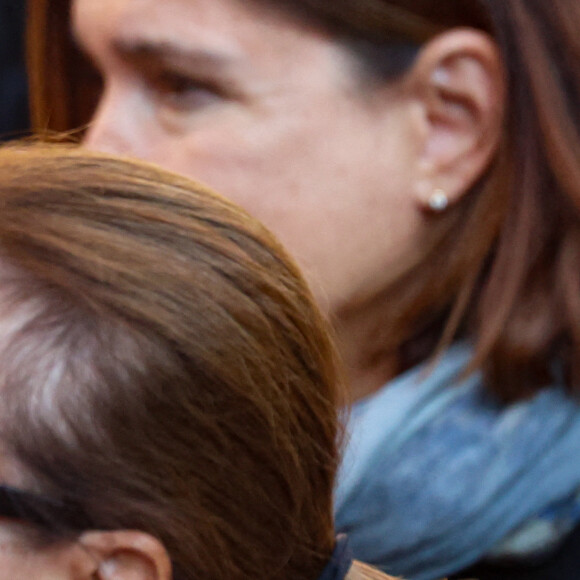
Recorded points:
277,117
276,122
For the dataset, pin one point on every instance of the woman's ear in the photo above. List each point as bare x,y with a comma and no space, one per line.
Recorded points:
126,555
458,82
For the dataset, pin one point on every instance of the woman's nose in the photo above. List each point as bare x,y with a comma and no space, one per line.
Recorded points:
115,126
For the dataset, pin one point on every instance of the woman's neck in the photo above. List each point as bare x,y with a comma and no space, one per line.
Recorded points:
369,350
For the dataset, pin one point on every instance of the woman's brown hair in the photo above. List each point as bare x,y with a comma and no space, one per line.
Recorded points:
502,266
162,365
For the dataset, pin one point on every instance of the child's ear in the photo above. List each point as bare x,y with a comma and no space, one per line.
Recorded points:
126,555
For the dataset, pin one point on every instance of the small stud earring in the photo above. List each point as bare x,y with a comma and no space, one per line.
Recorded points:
438,201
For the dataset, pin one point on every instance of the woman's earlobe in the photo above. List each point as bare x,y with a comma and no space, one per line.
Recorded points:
459,81
127,555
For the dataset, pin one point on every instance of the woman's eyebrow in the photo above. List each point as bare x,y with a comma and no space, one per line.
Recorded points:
164,52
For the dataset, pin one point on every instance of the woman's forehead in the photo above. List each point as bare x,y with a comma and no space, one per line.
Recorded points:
252,48
223,27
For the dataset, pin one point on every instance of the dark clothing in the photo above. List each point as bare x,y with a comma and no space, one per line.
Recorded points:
14,118
340,561
564,564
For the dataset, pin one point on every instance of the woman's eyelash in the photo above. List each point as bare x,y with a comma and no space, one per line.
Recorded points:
177,83
180,93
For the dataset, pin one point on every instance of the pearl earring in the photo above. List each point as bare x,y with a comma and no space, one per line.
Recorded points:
438,201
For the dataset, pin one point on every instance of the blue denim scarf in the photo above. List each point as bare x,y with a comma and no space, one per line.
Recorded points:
437,474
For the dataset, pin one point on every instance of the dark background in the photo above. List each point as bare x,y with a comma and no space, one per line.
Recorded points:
14,117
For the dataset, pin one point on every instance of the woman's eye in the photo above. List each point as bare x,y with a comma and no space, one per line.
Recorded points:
181,93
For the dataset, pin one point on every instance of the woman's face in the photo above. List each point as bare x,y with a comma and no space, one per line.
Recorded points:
272,114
